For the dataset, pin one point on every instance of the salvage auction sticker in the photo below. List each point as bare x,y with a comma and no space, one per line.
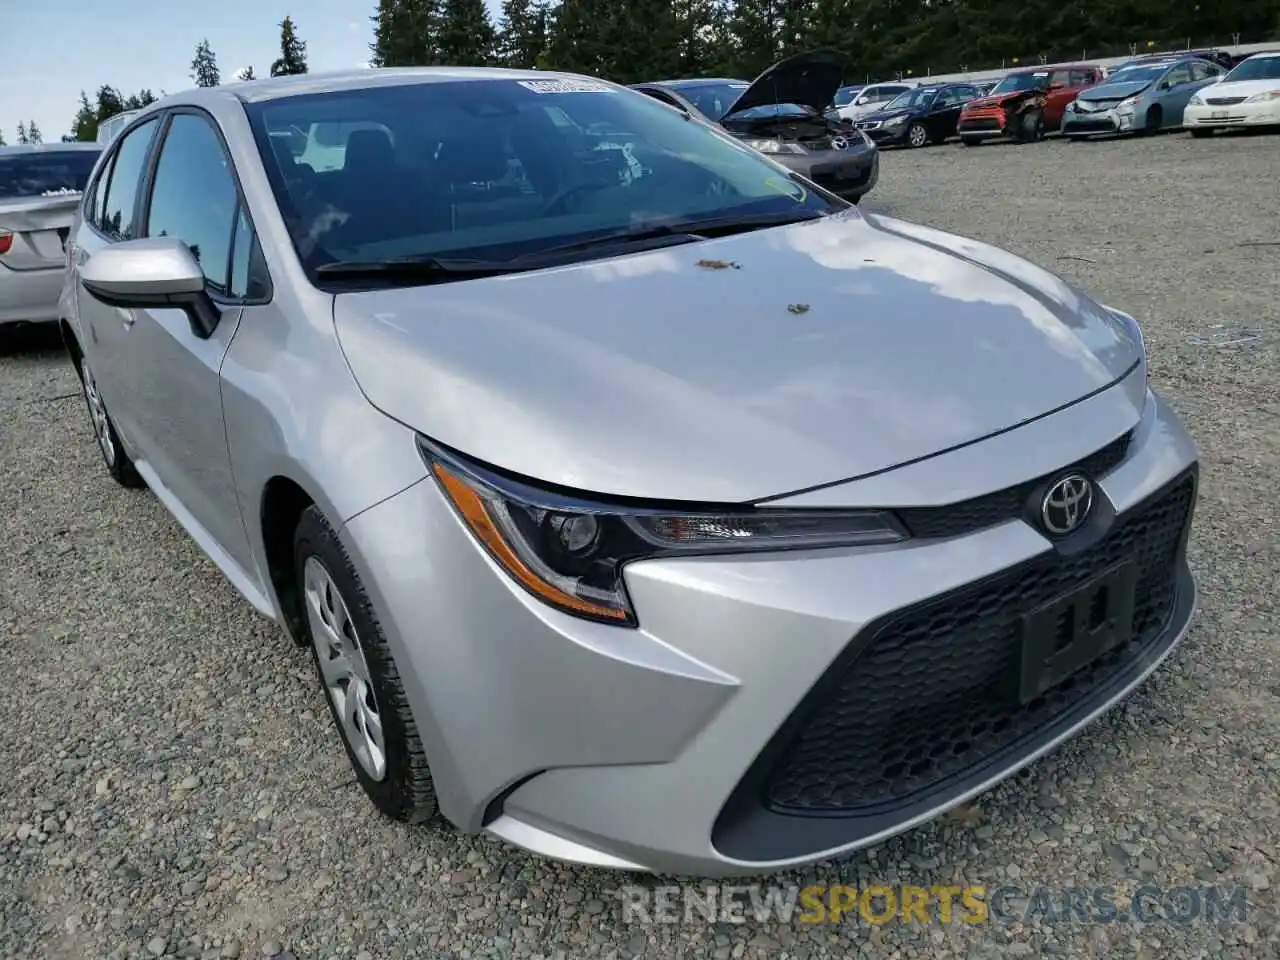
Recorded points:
565,86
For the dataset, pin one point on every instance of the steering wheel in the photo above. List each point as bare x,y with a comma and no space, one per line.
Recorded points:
574,189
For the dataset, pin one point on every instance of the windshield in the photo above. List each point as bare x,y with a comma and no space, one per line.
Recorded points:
1263,68
769,110
912,98
712,100
42,172
1138,74
845,95
496,169
1018,82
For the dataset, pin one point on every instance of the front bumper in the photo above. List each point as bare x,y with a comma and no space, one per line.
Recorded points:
1223,116
848,173
29,295
714,740
1109,121
884,135
986,124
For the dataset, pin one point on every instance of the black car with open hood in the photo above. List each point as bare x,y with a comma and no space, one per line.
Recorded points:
785,113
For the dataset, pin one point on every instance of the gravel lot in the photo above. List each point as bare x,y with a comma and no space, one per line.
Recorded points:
173,786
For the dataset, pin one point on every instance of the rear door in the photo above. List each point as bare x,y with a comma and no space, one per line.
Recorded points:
194,195
945,113
1174,90
40,191
112,215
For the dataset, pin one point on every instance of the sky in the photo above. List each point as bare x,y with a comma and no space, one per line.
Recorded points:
53,49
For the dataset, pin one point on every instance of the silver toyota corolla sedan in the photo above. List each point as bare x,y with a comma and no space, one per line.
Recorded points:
640,503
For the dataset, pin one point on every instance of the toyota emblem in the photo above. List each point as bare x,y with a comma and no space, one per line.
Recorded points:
1066,504
839,143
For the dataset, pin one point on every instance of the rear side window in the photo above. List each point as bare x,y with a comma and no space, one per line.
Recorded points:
45,173
194,196
120,200
1081,78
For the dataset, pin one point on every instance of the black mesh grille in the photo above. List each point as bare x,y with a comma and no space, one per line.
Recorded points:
982,123
927,699
990,509
1224,101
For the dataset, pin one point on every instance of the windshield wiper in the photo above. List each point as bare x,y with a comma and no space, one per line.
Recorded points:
680,231
415,268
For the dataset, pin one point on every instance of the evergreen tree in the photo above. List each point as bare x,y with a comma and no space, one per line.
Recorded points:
204,68
84,126
2,143
466,37
406,33
246,75
136,101
109,103
22,132
522,35
293,52
33,132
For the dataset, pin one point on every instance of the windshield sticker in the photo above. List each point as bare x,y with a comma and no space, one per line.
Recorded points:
565,86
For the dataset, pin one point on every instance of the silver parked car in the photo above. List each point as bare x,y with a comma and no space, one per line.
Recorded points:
40,187
647,509
1140,97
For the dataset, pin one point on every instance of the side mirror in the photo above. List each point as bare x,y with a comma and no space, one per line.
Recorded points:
153,272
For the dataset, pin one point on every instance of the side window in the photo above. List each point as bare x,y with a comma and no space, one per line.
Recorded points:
98,194
117,216
194,198
1081,78
248,269
1203,71
1178,75
662,97
1060,78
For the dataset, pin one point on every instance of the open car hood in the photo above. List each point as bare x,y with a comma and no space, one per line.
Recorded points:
809,79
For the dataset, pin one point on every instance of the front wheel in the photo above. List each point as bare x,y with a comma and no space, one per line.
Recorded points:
359,676
917,135
1031,126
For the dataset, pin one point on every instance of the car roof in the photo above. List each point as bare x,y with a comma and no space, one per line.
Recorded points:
77,145
1261,55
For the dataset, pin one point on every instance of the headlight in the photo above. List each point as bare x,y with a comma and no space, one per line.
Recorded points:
570,552
775,146
1264,97
1133,330
1195,100
895,122
1126,106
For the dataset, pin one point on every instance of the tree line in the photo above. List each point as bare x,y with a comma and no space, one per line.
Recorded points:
633,40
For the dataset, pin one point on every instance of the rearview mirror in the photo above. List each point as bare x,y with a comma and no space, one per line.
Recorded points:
153,272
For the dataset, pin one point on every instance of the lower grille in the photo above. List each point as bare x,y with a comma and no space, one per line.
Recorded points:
927,699
981,123
1090,124
838,184
1223,101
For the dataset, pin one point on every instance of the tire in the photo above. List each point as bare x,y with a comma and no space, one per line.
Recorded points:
1031,127
917,135
1155,116
114,457
1200,134
362,679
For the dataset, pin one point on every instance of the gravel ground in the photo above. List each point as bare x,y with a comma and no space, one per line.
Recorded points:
173,786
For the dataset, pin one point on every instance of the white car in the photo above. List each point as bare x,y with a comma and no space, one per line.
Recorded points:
1248,96
872,98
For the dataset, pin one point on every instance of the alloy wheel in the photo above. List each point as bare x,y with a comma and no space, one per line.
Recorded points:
98,414
344,669
917,135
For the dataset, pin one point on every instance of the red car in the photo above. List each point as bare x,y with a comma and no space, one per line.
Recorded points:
1025,103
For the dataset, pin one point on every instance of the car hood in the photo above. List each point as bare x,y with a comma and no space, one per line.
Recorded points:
1239,88
1115,91
735,369
810,79
886,115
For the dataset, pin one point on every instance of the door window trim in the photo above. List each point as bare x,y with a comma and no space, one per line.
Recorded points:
257,260
109,169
